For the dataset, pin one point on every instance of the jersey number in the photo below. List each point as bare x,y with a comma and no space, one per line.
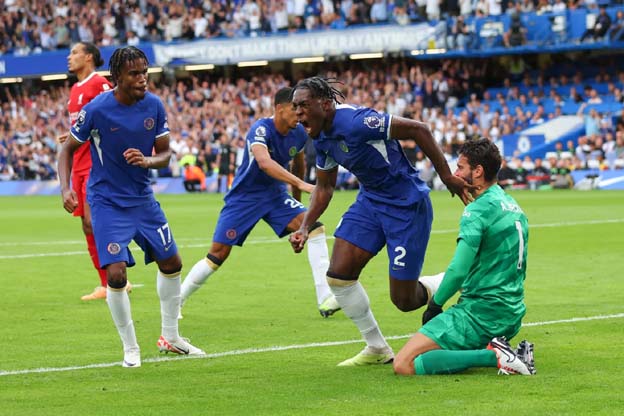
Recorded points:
293,203
397,260
165,234
520,244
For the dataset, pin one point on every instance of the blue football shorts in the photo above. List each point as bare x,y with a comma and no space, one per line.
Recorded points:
405,230
239,216
114,227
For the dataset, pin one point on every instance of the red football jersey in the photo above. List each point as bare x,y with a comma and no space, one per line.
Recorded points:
81,93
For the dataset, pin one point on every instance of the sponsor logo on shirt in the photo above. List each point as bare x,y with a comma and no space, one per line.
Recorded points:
292,151
344,147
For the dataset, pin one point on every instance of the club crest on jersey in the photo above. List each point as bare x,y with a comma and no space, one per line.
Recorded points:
148,123
113,248
374,122
292,151
343,146
231,234
260,131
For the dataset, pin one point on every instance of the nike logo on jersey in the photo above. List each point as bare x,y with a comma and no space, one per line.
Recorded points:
115,128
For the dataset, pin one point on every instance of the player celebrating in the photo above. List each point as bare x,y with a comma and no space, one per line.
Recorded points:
125,126
259,192
392,207
82,60
489,267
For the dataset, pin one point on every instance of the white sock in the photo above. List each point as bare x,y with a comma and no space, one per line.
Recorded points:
168,287
318,256
431,283
355,304
119,305
196,278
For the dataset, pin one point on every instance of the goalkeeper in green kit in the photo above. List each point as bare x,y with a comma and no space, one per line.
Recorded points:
488,268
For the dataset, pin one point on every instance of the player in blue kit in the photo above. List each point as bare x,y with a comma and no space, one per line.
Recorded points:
392,207
259,193
126,126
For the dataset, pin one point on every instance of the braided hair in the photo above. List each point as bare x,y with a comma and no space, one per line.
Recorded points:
322,88
121,56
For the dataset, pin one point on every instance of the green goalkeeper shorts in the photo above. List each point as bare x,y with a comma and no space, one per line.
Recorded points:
455,329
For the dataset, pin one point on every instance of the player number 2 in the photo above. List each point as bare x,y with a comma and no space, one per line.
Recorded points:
397,259
520,244
293,203
165,234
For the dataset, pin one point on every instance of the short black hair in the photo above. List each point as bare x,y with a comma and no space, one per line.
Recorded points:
485,153
284,95
92,50
121,56
321,88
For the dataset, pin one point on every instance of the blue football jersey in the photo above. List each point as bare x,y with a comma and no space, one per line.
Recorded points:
359,140
113,128
251,181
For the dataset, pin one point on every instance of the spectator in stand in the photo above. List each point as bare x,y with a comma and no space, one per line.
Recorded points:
601,26
506,175
560,177
460,36
516,35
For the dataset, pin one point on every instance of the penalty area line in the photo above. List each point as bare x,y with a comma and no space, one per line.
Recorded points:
273,349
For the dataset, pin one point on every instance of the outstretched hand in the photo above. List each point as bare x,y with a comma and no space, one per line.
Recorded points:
298,239
458,186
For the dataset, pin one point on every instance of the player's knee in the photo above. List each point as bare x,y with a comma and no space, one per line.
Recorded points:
405,302
116,276
316,229
336,280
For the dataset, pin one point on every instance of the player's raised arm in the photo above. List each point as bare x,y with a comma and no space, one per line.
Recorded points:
403,128
274,170
70,200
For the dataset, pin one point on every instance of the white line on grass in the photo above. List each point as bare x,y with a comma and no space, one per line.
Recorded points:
272,349
257,240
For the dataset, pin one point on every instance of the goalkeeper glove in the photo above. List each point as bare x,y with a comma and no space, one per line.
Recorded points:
433,310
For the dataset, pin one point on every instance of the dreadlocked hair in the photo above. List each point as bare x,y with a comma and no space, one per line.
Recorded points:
322,88
121,56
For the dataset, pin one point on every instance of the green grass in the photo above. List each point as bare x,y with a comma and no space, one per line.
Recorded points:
263,297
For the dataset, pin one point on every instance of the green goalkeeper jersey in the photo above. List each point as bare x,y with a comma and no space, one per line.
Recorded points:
495,228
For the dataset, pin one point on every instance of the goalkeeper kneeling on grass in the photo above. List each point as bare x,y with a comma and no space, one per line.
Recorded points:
488,268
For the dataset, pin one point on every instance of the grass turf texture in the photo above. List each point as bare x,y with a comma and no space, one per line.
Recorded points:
263,297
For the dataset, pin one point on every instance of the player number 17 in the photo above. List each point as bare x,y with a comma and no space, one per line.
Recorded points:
165,234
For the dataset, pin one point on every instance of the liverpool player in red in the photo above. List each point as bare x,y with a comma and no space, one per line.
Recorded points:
82,60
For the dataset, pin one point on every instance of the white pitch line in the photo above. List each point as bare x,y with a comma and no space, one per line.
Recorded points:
271,349
261,240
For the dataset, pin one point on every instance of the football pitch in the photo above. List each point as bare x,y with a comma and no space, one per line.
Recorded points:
269,352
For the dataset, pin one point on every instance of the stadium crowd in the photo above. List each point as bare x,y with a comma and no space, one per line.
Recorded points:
210,115
41,25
